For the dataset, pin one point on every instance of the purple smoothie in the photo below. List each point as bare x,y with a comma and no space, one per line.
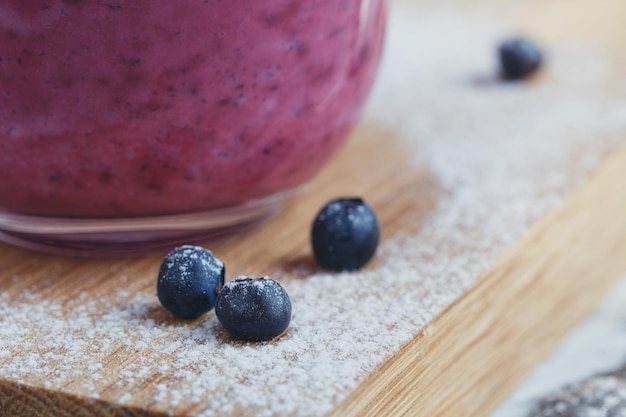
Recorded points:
123,108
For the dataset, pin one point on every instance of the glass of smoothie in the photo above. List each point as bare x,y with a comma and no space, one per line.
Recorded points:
129,125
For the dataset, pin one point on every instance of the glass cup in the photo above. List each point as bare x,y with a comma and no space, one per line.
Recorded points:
129,125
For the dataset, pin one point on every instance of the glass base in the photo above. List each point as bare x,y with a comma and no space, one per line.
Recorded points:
112,237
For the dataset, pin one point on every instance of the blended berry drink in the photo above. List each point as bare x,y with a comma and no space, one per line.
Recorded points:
135,108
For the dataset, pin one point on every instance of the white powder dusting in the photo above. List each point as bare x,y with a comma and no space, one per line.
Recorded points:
502,155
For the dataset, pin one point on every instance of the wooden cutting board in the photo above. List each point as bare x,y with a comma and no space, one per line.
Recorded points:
462,363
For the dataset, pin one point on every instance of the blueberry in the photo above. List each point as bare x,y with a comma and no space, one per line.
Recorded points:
519,58
254,309
189,280
345,234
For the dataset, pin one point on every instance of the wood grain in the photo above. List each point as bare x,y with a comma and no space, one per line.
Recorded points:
284,246
473,353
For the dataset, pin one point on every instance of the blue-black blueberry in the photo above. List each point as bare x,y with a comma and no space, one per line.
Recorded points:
345,234
519,58
254,309
190,278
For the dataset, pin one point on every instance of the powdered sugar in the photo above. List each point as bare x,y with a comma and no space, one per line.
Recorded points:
502,156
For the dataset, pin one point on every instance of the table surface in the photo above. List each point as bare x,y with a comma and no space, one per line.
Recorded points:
480,186
596,345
